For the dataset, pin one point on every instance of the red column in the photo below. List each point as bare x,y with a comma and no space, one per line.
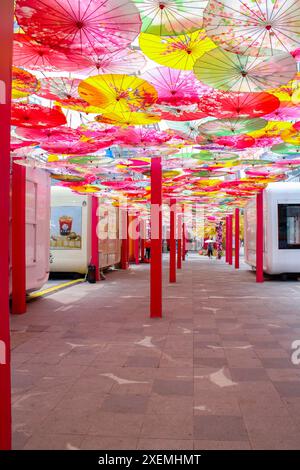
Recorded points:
18,237
94,237
156,239
124,238
237,239
226,238
172,266
137,240
183,236
6,43
179,241
230,239
143,237
259,237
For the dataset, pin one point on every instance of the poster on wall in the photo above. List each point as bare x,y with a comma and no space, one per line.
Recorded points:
66,228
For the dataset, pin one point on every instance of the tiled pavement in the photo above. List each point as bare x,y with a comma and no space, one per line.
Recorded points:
92,371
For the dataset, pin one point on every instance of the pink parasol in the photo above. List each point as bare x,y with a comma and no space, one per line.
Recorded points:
176,87
287,111
236,141
96,25
125,61
75,147
142,136
34,115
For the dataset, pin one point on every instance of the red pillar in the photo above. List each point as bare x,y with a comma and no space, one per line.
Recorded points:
226,238
183,236
137,240
156,239
143,237
94,237
259,237
6,44
18,237
237,239
172,266
124,238
230,239
179,241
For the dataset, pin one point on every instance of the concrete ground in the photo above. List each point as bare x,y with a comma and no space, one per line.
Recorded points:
92,371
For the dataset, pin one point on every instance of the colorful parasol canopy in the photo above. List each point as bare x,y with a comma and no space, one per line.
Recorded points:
23,83
232,72
117,93
34,115
34,56
95,25
170,17
175,87
257,27
242,105
177,52
223,127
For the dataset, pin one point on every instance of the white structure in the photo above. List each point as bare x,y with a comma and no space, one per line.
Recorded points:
37,228
70,232
281,229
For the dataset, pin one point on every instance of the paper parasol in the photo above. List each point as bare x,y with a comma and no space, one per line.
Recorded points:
34,56
125,61
23,83
75,147
178,113
175,87
95,25
286,149
272,129
128,119
254,28
170,17
117,93
34,115
237,141
63,90
291,136
223,127
177,52
286,112
232,72
242,105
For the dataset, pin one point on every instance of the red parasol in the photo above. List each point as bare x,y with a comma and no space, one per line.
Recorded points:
34,115
96,25
35,56
229,105
236,141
